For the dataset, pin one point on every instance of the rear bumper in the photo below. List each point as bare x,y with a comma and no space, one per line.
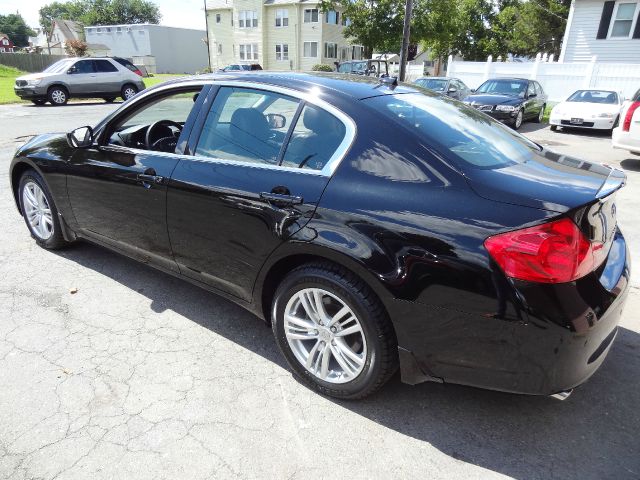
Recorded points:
554,340
624,141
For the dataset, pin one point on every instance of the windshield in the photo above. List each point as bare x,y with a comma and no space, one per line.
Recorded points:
437,84
456,131
514,88
594,96
359,66
58,67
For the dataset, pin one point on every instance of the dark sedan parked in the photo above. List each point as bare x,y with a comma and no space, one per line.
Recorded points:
443,243
451,87
510,100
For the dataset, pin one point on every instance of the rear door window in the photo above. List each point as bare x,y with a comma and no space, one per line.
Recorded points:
105,66
84,66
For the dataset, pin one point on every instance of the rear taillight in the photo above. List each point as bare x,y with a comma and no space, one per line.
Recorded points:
137,71
555,252
626,125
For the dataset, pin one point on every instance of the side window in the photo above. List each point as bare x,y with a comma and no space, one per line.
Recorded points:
531,90
83,66
105,66
174,109
315,138
247,125
539,89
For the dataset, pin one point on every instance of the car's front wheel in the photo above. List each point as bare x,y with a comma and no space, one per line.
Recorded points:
128,91
39,211
333,331
58,96
517,123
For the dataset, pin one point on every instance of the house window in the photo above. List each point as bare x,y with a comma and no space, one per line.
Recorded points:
345,21
249,51
247,19
5,41
282,51
623,20
219,49
99,30
331,50
357,51
332,17
311,15
282,17
344,53
218,18
310,49
119,29
108,29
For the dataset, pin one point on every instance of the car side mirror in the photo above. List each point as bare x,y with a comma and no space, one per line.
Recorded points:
276,120
473,90
452,90
72,70
80,137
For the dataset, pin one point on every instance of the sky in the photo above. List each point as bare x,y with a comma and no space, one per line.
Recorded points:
175,13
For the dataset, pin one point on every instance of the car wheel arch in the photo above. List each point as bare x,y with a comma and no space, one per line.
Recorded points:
17,171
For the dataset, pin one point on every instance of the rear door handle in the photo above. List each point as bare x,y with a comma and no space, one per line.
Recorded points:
147,180
280,199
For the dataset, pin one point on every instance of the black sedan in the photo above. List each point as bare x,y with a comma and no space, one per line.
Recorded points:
443,243
451,87
510,100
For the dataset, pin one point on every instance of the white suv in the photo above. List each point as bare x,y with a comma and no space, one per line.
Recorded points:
105,78
627,135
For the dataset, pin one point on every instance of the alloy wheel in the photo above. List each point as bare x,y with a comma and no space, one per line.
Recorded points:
59,97
518,122
37,210
540,115
129,92
325,335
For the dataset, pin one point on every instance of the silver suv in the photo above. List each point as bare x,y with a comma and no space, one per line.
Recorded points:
105,78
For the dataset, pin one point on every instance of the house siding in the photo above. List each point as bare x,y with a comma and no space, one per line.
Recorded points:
580,43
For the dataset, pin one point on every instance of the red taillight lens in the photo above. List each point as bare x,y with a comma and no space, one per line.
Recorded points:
555,252
626,125
138,72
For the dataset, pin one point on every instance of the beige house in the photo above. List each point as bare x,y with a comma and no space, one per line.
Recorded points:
277,34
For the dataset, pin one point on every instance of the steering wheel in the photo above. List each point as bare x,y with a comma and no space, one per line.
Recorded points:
165,143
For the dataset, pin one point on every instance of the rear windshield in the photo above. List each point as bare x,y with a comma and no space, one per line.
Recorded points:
456,131
126,64
432,84
594,96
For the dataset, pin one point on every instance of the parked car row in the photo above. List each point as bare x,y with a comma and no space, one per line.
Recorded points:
105,77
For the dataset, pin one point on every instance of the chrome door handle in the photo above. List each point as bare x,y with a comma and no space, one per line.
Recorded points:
147,179
279,199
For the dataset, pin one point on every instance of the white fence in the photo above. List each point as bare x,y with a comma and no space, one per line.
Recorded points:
559,80
413,71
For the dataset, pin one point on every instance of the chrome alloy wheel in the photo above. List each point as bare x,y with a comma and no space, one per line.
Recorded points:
519,119
58,96
325,335
37,210
129,92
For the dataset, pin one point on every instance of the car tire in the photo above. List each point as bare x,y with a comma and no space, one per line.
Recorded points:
553,128
128,91
109,99
38,102
540,116
519,120
39,211
359,363
58,96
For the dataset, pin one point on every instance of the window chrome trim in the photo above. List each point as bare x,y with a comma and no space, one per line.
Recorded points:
309,97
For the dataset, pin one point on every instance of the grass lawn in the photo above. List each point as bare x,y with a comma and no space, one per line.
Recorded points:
159,78
8,77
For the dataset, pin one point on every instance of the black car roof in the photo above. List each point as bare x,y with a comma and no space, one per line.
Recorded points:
357,87
509,78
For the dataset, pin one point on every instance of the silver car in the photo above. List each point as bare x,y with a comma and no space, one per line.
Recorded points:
105,78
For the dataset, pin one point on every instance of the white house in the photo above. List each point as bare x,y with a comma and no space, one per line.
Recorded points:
63,31
609,29
174,50
277,34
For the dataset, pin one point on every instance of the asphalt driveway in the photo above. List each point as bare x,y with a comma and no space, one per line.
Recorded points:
140,375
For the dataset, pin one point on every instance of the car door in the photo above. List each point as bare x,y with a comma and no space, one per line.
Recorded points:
531,103
117,188
463,90
108,78
82,78
261,163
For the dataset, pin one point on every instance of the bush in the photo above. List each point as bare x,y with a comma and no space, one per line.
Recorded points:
321,67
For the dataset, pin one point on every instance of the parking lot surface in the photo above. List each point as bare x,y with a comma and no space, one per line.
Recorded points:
138,375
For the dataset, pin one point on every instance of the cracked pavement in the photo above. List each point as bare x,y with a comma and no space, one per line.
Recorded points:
139,375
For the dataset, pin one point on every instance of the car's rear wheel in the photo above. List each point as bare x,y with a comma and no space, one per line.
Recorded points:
517,123
39,211
58,96
109,99
540,114
128,91
553,128
38,102
333,331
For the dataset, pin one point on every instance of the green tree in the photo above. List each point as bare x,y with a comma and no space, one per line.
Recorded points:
436,26
375,24
101,12
15,27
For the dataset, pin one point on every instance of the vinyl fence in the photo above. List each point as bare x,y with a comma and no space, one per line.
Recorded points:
29,62
559,80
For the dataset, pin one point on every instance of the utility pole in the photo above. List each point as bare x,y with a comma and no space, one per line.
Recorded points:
408,8
206,19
